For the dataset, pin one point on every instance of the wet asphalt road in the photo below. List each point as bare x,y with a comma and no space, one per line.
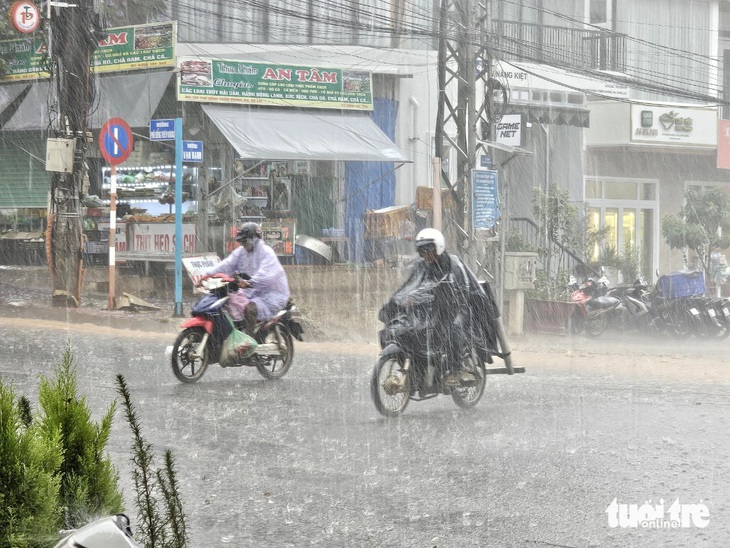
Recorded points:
307,461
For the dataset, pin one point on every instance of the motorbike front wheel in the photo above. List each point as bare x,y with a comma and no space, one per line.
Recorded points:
189,362
467,397
594,327
574,324
389,387
275,367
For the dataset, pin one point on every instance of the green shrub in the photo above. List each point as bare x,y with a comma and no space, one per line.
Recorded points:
157,528
29,482
54,473
88,480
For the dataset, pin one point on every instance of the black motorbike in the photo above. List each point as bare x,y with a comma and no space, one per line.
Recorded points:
635,312
412,362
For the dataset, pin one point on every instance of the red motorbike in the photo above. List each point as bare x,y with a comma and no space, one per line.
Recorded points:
203,335
593,312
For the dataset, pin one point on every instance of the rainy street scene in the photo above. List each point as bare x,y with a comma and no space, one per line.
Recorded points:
396,273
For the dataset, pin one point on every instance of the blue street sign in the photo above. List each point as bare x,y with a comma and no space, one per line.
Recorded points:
162,130
485,202
192,151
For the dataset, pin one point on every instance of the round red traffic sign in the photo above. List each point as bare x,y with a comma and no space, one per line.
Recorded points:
115,141
25,16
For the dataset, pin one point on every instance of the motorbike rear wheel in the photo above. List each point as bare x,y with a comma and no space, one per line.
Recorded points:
710,330
275,367
594,327
187,364
389,386
680,324
467,397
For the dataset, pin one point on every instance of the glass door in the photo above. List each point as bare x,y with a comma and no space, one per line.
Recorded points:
626,211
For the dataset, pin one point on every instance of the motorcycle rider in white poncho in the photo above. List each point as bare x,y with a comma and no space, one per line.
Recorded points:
265,289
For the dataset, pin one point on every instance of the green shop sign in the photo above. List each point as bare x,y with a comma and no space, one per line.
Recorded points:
122,48
220,81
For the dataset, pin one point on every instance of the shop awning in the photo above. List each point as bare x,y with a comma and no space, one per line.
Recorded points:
133,97
289,134
10,92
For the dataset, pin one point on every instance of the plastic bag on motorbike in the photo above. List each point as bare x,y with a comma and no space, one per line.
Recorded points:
237,346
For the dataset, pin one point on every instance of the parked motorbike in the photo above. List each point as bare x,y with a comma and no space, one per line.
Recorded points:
706,322
411,363
594,309
721,306
674,301
202,337
636,311
577,295
107,532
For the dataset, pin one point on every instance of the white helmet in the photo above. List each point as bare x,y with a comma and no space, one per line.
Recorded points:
430,237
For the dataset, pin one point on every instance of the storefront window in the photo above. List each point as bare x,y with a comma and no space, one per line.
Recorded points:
628,228
593,189
620,190
627,210
594,222
610,221
598,12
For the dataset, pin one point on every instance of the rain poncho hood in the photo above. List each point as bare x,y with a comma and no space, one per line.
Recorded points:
269,285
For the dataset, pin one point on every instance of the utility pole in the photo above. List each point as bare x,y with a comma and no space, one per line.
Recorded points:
73,36
463,63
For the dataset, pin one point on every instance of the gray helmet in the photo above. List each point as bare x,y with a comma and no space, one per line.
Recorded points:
248,231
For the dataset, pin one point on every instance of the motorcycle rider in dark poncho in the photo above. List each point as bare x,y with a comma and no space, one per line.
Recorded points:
460,312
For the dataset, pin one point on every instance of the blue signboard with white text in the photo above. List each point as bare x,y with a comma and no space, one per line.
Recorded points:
162,130
192,151
485,199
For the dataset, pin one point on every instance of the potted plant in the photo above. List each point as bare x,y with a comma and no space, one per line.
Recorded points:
560,237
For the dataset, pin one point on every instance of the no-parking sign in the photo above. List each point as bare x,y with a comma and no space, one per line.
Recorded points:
115,141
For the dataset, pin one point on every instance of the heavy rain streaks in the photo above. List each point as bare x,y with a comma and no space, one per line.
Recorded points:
308,460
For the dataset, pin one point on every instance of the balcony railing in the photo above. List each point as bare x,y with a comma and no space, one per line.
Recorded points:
559,46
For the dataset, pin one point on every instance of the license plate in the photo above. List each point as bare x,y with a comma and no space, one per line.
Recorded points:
694,311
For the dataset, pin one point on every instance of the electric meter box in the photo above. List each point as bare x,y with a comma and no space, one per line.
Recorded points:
60,155
520,270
